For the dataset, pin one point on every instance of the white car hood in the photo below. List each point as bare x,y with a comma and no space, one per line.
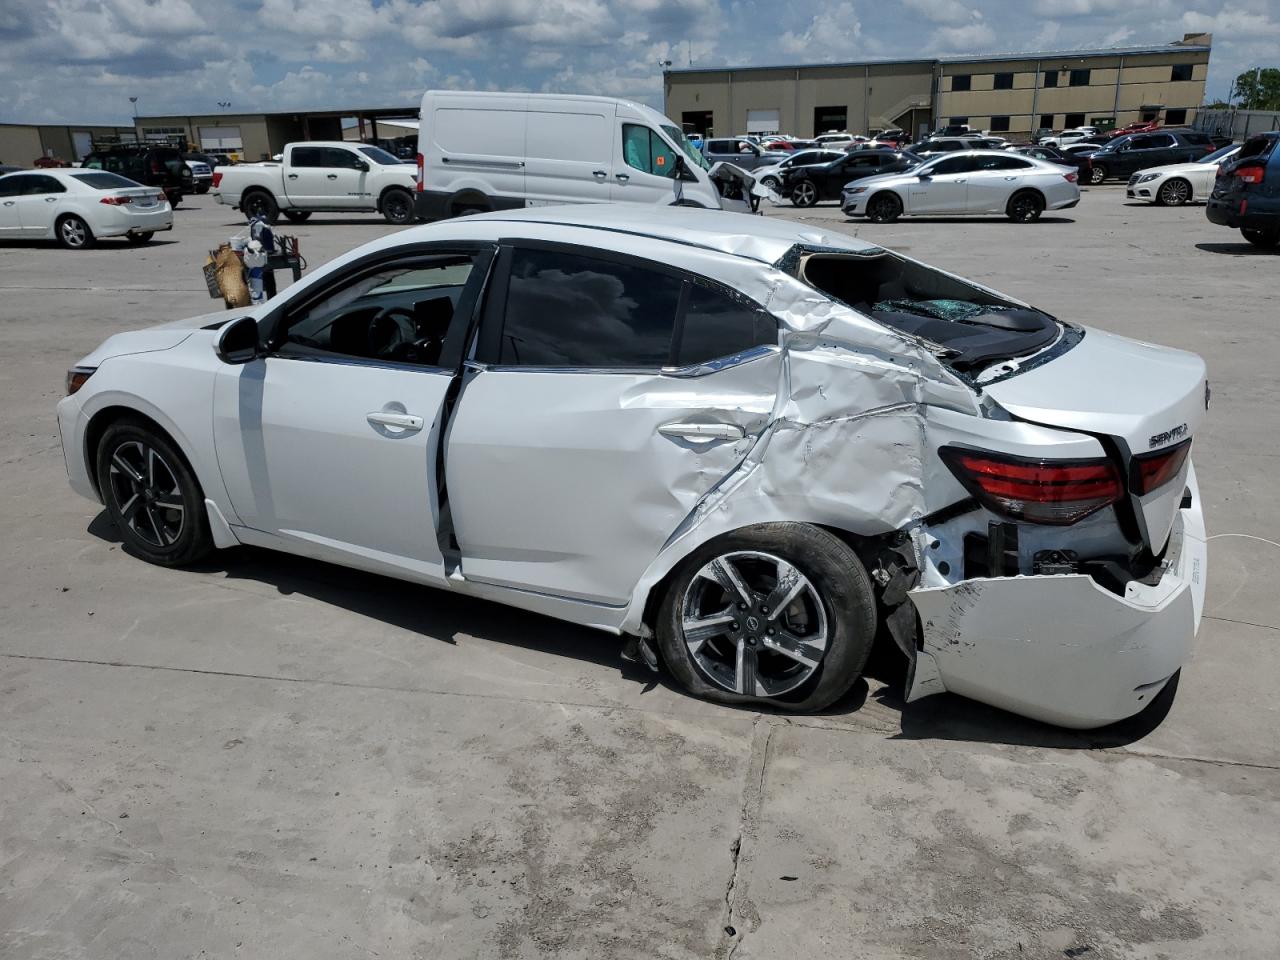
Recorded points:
163,336
1174,168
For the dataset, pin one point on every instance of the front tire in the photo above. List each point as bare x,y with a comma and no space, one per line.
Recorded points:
771,182
779,613
397,207
260,204
884,208
804,193
1025,207
74,233
151,495
202,189
1262,238
1174,192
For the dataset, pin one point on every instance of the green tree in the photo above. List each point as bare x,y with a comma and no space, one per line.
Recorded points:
1259,89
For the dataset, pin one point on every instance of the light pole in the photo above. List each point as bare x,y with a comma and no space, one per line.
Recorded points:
224,104
134,101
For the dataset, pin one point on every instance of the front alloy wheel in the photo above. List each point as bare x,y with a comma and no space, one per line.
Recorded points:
804,194
753,624
1174,193
146,489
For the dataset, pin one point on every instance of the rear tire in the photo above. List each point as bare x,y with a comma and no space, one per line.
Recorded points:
1025,206
828,624
73,233
1097,173
297,216
397,207
884,208
1262,238
203,188
138,239
1174,192
259,203
151,495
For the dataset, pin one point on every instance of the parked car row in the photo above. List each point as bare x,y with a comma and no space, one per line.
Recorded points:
77,207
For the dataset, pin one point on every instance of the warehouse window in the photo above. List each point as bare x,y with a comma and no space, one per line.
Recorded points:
960,82
1079,78
1181,71
1073,120
1004,81
830,119
1046,121
959,121
1051,78
1175,117
999,124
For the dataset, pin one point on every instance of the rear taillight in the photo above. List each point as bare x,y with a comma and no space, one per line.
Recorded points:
217,179
76,377
1151,471
422,163
1251,174
1070,177
116,201
1057,492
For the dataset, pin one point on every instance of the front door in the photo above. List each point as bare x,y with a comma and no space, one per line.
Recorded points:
39,203
10,192
330,442
644,165
944,190
572,456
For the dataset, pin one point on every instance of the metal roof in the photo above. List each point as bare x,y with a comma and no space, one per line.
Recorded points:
968,58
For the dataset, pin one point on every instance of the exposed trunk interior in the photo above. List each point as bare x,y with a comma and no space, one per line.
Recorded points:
973,327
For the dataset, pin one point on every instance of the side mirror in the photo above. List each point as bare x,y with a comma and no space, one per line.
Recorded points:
238,342
362,165
681,171
924,175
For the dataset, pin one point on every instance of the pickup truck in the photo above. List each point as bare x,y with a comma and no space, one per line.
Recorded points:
333,177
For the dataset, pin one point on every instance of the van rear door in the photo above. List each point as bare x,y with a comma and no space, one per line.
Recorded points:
568,151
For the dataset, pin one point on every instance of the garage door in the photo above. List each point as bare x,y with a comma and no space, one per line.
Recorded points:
220,138
764,121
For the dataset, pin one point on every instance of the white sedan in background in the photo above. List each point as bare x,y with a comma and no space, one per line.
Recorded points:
1179,183
78,207
972,182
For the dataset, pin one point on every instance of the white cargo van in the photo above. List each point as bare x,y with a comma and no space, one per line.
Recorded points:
499,151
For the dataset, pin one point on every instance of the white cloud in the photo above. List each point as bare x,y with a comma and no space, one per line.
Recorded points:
832,34
942,11
971,37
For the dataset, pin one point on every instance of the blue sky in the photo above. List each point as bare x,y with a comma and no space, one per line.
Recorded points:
81,60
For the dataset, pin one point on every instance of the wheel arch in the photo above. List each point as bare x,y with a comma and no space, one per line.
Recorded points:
467,197
389,188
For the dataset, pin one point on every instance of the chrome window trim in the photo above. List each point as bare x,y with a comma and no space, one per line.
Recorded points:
342,360
692,370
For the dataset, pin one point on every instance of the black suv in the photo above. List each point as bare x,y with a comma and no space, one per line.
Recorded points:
149,164
824,181
1137,151
1247,191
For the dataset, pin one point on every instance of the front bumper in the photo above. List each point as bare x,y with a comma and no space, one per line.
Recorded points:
1063,649
71,427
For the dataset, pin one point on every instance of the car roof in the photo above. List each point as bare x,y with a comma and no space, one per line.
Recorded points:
619,225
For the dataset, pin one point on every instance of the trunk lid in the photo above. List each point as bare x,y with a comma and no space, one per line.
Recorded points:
1145,397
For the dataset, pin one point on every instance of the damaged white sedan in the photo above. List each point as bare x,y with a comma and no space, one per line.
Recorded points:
748,447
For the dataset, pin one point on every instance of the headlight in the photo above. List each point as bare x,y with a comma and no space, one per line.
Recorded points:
851,191
76,378
1147,176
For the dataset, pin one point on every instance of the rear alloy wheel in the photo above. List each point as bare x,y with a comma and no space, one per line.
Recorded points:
397,207
804,193
778,613
1262,238
884,208
1097,173
258,204
1175,192
1025,206
297,216
74,233
151,495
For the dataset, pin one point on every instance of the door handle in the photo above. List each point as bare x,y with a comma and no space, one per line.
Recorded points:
599,173
50,199
1011,178
9,203
331,176
405,421
623,177
703,431
293,176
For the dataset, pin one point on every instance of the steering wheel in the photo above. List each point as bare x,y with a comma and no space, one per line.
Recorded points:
389,330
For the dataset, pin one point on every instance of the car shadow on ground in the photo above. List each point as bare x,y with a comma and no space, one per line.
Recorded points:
283,225
439,615
103,243
1244,249
984,220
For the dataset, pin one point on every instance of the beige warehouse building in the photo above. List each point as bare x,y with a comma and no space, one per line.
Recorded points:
1015,94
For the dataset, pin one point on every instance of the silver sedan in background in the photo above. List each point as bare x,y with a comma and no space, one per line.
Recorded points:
972,182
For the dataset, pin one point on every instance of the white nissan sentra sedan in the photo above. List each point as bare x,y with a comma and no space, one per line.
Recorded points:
79,207
746,446
975,182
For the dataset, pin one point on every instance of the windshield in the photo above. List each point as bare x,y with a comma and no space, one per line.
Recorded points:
380,156
105,181
1219,155
692,152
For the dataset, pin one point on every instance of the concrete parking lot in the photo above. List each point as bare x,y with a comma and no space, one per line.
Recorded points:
272,758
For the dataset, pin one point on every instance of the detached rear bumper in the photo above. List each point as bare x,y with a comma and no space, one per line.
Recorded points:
1247,213
1063,649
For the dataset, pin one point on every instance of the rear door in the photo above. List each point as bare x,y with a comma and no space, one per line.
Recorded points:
568,151
304,173
586,429
330,443
853,167
995,180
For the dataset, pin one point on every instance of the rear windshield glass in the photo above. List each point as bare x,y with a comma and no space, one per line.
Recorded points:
105,181
1218,154
1257,147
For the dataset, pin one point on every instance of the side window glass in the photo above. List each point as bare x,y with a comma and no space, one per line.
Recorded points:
305,157
13,186
716,325
949,165
400,314
340,159
644,150
565,310
43,184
